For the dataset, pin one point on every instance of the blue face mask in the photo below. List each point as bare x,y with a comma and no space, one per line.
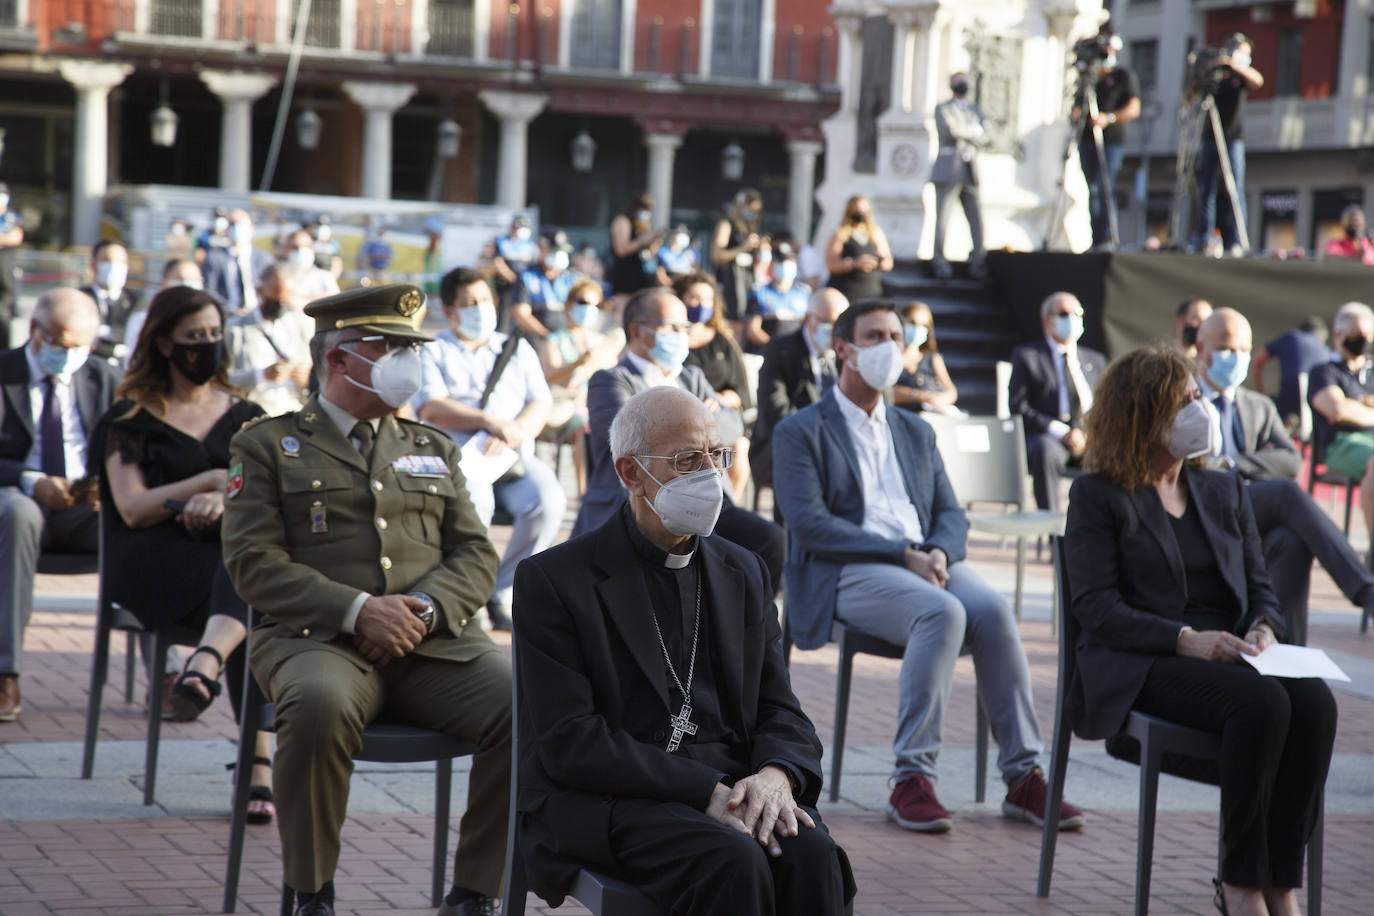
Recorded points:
1228,369
1068,328
700,314
824,336
586,316
915,334
477,322
55,360
669,350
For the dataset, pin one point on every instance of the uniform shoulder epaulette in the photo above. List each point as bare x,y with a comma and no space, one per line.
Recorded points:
253,421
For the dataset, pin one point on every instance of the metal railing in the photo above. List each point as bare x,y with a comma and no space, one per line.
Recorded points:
451,32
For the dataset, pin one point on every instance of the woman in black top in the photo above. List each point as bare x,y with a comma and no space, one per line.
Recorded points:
166,441
713,350
858,254
733,248
633,243
1166,573
924,383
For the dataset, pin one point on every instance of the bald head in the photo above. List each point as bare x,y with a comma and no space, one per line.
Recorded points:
654,419
1061,315
64,317
827,304
649,312
1223,349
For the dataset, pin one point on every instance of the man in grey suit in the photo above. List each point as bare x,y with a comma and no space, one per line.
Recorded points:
655,322
959,127
1256,446
876,542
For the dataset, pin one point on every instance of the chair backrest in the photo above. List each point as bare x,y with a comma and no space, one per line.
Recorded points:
1003,389
985,457
516,886
1069,627
1304,410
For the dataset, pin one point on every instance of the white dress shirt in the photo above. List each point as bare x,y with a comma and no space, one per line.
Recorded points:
243,256
888,511
73,430
655,376
1060,428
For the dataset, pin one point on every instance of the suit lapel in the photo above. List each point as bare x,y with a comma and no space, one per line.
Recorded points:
313,422
626,599
84,386
16,386
724,585
1156,521
835,426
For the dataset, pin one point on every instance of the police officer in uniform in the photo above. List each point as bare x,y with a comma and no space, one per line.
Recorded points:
352,533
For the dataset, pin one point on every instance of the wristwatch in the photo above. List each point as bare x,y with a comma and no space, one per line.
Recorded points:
426,614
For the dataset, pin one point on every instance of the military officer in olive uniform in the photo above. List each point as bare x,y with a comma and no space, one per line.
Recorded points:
352,533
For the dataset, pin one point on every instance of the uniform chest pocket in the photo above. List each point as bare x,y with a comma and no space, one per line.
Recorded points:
424,504
312,499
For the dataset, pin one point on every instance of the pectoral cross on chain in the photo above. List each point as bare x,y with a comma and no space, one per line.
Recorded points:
682,724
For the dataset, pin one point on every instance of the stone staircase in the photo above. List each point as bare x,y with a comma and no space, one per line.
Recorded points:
973,329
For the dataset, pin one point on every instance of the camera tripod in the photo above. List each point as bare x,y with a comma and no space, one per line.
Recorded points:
1089,110
1193,120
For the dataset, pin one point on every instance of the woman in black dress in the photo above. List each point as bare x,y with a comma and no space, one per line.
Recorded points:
713,350
858,254
734,246
924,383
633,243
166,442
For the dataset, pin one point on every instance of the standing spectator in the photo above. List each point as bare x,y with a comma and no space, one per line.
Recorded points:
587,262
232,271
176,272
543,288
11,237
734,246
633,242
779,305
487,391
1117,92
51,395
269,347
676,256
109,288
924,383
308,281
326,246
1188,317
177,242
1354,244
1298,351
712,349
961,131
216,235
858,254
516,252
375,254
1238,79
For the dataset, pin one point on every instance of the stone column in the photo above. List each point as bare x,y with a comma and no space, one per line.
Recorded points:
237,92
802,186
904,60
662,151
516,110
93,81
379,102
849,56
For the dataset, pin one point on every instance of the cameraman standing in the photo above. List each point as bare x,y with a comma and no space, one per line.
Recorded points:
1118,103
1235,78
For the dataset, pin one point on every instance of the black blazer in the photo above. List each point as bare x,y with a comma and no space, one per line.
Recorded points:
94,384
594,700
1034,389
1267,451
786,385
1126,579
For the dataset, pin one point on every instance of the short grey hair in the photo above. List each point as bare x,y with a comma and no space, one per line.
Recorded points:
1052,300
1349,314
67,303
321,344
632,430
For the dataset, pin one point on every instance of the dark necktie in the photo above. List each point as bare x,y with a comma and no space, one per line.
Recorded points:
365,434
827,373
1075,407
1229,438
50,439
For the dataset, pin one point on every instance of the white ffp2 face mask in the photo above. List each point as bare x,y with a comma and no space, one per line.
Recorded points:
879,365
395,377
1196,431
689,504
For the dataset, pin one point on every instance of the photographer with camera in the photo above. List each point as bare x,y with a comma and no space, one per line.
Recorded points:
1232,79
1101,145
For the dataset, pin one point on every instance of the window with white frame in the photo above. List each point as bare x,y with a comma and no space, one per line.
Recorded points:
594,42
735,38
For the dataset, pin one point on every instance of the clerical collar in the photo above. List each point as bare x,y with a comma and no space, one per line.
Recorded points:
650,552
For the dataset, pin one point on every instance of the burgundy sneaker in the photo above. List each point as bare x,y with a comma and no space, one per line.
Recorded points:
913,805
1026,802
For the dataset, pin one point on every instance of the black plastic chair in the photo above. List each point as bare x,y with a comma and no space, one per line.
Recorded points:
1157,737
383,742
852,643
83,564
603,895
1322,434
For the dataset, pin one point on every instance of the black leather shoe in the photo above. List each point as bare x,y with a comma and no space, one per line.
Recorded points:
315,908
473,906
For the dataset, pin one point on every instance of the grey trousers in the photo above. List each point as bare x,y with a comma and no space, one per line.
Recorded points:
27,529
936,624
536,503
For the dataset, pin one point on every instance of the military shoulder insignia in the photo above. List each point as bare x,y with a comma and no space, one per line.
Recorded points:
234,486
409,303
253,421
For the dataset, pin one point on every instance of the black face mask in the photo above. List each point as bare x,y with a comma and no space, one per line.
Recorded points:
271,309
959,88
1356,346
198,362
1189,334
857,218
1351,232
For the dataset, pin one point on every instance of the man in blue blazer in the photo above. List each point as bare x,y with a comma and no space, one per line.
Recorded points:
877,540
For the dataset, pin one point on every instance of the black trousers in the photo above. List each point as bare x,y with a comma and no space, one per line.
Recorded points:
693,865
754,532
1048,459
1276,738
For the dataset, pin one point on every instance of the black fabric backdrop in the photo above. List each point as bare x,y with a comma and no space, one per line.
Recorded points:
1130,299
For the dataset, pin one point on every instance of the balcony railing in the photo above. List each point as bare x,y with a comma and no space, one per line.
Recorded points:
451,32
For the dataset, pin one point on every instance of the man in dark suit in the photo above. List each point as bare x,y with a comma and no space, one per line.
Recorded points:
876,542
660,740
109,288
51,396
797,369
1256,446
656,325
959,127
1052,388
234,271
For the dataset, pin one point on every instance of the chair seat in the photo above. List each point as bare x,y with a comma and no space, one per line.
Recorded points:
391,742
603,894
1019,524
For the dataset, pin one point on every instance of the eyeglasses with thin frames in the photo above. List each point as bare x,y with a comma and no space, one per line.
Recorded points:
689,460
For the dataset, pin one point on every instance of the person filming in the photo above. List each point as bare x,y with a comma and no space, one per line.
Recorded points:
1117,93
1235,79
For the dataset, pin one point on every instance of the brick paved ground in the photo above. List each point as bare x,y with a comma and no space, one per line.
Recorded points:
168,864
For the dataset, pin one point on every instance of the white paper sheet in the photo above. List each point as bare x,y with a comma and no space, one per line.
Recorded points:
1282,660
972,439
482,468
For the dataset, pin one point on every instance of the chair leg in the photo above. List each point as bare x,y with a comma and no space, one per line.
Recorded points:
443,790
1049,838
160,645
841,715
1349,500
1150,759
130,662
100,668
250,712
1020,575
980,753
288,900
1314,861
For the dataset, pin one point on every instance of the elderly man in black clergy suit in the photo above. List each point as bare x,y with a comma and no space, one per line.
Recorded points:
1256,446
1052,384
660,740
